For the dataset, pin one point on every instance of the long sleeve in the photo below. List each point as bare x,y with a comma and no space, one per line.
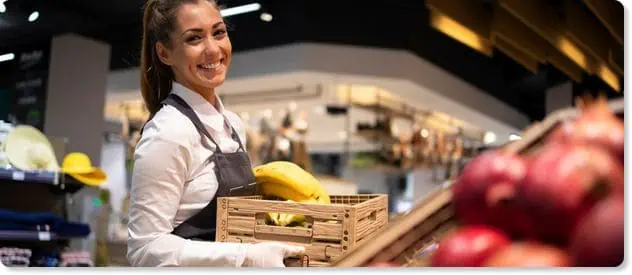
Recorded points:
162,159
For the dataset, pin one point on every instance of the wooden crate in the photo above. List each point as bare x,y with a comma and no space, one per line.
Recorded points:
407,236
331,230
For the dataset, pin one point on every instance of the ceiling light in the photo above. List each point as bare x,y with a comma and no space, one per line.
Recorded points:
292,106
424,133
266,17
240,9
460,32
284,144
7,57
489,138
320,110
34,15
3,8
514,137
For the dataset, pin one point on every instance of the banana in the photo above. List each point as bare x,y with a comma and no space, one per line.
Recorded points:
289,181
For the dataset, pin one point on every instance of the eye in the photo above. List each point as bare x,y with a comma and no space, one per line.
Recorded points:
193,38
219,33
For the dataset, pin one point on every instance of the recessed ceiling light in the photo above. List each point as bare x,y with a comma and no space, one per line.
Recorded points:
240,9
489,138
266,17
34,15
7,57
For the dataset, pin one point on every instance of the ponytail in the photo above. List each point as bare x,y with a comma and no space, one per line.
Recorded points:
156,78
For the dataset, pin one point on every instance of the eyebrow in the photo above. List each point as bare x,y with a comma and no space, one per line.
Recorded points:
201,30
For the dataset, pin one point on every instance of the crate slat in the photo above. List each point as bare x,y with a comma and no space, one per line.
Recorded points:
368,207
241,225
280,230
327,231
262,206
370,224
316,251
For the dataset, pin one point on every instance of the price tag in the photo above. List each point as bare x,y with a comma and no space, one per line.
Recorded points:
43,236
18,175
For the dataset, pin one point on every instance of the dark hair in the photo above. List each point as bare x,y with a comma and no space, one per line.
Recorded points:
156,77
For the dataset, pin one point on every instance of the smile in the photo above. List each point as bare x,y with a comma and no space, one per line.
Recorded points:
211,66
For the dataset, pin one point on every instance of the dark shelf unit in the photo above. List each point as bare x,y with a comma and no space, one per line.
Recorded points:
36,191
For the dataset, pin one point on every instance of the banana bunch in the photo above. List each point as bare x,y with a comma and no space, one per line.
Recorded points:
289,181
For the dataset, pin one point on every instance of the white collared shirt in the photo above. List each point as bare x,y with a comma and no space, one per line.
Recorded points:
172,181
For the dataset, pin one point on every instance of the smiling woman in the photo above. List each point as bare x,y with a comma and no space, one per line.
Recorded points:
191,149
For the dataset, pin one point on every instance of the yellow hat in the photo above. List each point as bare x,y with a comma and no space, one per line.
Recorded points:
79,166
27,149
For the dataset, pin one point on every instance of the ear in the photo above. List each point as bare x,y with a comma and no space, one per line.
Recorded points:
163,54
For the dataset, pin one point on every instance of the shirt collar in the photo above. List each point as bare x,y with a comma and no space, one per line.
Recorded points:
209,115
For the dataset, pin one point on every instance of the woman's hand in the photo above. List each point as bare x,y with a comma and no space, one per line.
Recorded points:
270,254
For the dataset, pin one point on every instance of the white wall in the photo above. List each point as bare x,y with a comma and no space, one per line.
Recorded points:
76,90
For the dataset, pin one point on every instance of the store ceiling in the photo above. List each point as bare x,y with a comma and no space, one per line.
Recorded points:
397,24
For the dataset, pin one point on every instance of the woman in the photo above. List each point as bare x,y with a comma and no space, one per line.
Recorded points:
191,150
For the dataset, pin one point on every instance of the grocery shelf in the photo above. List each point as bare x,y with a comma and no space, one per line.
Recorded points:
376,135
404,111
46,177
60,181
22,235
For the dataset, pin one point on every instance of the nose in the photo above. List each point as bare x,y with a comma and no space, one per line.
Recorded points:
212,47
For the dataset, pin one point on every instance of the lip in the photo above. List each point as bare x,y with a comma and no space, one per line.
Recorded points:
215,64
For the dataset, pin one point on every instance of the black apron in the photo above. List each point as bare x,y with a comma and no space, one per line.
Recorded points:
234,177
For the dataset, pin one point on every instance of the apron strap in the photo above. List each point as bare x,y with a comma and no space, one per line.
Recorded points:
184,108
235,137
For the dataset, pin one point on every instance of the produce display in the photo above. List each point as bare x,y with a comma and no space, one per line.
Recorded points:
553,199
558,205
288,181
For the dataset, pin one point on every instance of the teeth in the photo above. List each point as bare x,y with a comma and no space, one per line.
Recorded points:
210,66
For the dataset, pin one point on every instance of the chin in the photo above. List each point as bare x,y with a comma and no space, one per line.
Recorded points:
210,83
214,83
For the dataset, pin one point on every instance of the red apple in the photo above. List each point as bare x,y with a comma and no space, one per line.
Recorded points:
563,182
598,238
485,192
529,254
469,246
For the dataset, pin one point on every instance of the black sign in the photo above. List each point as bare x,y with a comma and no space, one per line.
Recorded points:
24,85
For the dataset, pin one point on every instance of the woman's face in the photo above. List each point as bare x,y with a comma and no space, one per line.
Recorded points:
200,50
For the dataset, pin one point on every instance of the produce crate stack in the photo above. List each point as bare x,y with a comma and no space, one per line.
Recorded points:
589,232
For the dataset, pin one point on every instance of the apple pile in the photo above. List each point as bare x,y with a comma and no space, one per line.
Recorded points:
560,205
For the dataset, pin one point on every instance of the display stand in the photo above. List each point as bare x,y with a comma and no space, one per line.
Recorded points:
36,192
409,235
